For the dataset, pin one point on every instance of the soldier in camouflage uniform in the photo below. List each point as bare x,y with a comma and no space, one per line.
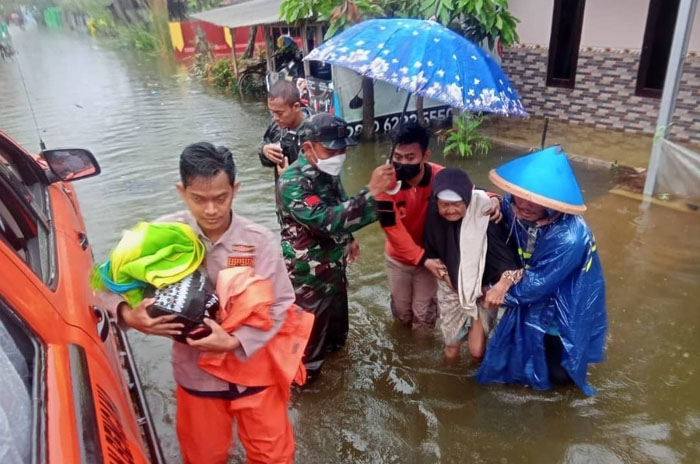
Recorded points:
318,219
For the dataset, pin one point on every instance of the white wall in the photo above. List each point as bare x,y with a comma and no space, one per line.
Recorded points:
535,18
606,23
694,44
614,23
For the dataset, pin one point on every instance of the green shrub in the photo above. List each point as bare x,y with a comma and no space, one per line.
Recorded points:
219,73
101,24
139,38
464,138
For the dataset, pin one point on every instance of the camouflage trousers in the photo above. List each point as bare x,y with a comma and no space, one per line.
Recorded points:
330,330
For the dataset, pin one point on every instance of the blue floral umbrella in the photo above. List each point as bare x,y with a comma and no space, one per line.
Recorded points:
425,58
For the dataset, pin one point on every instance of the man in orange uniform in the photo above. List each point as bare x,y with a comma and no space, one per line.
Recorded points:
402,216
208,405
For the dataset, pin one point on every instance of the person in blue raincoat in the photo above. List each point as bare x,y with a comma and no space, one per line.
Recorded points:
555,321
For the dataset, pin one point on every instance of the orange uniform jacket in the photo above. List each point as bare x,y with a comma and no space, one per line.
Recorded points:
402,216
245,300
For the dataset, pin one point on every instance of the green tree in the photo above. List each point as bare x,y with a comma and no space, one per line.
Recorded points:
481,21
339,14
478,20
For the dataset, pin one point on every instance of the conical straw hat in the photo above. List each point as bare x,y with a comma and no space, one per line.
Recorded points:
544,177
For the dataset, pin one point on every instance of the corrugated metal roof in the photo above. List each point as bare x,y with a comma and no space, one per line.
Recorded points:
247,13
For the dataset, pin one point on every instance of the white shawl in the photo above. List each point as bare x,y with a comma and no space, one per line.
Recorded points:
472,247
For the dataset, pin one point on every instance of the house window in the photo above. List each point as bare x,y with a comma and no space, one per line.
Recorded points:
567,22
658,36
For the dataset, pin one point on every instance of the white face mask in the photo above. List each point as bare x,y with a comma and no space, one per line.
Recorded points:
332,165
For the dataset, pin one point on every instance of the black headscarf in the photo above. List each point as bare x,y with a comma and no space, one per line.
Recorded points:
441,237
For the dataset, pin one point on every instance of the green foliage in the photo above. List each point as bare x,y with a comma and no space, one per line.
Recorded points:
139,38
219,74
487,20
90,7
464,139
477,20
294,11
102,23
351,12
339,13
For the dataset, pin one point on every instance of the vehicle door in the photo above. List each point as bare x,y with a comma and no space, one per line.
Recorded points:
80,399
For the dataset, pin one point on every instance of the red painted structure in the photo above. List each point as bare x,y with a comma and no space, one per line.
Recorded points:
184,46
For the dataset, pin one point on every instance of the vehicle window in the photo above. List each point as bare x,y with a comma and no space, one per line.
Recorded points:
16,229
23,216
18,358
12,173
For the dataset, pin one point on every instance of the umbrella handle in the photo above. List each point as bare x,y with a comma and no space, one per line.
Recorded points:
397,187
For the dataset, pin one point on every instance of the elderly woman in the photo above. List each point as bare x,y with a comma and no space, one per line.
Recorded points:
472,252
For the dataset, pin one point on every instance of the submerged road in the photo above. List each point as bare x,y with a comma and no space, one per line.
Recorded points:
388,397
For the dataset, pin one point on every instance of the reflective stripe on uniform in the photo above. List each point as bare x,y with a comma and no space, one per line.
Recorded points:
524,254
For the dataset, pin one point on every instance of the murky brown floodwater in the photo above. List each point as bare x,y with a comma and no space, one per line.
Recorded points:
386,398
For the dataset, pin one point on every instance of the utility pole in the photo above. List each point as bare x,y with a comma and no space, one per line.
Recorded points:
679,49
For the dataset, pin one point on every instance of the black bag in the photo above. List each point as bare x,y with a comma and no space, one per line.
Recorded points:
191,298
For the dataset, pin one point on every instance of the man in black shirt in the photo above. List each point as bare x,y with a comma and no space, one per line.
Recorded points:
280,145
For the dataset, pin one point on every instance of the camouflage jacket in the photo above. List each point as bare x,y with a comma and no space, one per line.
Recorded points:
317,220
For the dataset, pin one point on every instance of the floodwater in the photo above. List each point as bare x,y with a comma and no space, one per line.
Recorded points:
388,397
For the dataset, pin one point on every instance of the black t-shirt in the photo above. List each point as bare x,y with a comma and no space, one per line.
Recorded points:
291,144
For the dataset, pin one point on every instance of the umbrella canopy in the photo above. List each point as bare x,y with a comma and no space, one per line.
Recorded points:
544,177
425,58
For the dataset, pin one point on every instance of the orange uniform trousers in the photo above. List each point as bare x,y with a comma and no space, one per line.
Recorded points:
205,427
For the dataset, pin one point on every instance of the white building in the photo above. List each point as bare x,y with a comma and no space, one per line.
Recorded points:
602,63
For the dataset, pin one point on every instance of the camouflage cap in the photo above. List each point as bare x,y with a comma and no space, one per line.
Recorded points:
328,130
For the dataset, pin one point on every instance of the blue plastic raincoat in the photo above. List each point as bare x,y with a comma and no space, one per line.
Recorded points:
563,284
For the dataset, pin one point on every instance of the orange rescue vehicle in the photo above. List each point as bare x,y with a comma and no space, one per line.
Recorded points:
71,392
